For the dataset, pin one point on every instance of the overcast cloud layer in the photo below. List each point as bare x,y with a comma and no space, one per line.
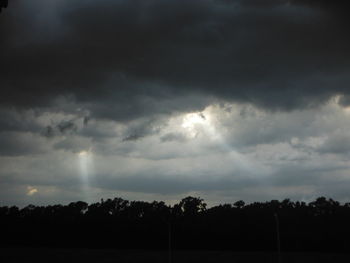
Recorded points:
158,99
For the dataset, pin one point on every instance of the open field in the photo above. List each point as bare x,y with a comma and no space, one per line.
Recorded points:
39,255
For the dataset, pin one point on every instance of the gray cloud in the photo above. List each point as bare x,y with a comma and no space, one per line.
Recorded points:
338,143
173,185
173,136
22,143
14,120
73,143
132,137
64,127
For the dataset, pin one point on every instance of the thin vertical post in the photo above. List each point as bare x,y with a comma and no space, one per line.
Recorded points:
278,238
169,244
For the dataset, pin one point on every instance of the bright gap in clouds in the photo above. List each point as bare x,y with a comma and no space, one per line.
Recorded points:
192,119
31,190
206,133
197,123
192,122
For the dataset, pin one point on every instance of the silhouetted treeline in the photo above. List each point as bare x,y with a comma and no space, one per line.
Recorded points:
321,225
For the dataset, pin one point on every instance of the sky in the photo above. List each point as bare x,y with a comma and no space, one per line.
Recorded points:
161,99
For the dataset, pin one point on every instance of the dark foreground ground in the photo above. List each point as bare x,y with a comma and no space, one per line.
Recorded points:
39,255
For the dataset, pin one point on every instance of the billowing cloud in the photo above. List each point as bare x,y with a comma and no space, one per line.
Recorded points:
228,99
236,152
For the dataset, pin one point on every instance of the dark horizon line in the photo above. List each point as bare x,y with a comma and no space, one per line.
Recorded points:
232,204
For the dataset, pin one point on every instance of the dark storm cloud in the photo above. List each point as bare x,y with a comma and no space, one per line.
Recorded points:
64,127
125,59
3,4
337,5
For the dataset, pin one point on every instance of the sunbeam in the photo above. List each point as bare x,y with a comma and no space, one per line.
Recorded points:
86,168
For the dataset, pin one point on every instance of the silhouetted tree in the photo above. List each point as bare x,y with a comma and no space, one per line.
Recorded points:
321,225
239,204
190,206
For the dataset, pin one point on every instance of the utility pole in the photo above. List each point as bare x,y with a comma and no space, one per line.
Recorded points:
170,254
278,238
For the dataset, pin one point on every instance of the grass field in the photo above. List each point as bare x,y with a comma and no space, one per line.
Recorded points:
39,255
